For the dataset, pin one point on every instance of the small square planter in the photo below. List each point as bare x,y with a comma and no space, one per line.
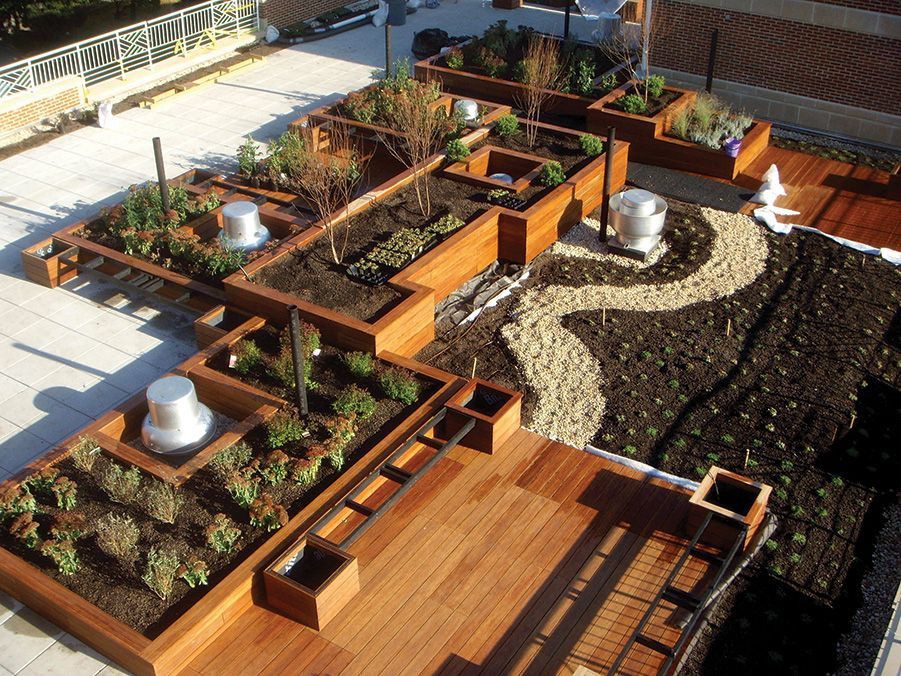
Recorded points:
735,499
219,321
42,262
488,160
495,409
311,582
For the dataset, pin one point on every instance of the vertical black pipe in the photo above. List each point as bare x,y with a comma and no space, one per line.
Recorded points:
608,173
299,361
161,172
711,60
387,49
566,21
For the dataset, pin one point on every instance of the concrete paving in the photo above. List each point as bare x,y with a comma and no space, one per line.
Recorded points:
69,354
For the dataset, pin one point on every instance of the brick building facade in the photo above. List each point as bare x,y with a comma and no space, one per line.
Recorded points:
281,13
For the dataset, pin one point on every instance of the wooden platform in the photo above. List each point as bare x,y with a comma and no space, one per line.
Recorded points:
540,558
836,197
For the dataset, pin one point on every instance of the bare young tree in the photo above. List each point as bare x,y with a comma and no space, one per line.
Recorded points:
327,178
420,127
627,46
540,74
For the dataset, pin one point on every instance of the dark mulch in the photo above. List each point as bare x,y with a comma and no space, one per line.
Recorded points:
310,273
815,340
117,588
688,187
655,104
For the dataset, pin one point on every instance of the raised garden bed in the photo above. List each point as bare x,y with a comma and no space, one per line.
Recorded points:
42,264
737,502
105,603
496,410
653,144
213,325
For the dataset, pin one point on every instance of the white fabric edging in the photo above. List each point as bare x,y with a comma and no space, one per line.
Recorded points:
652,472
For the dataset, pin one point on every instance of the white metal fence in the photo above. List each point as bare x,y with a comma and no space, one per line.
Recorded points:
142,45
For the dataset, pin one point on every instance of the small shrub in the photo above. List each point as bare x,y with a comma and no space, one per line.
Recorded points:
281,368
583,73
41,482
222,534
454,58
654,85
551,174
161,501
162,567
609,82
231,459
633,104
507,125
118,536
195,573
120,484
244,487
63,554
457,151
266,513
248,158
304,471
246,355
66,492
360,364
591,145
284,428
68,526
630,450
341,429
85,453
335,453
356,400
274,468
399,385
25,529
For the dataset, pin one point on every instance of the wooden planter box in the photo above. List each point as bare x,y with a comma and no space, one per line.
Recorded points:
651,145
478,168
495,409
42,264
735,498
311,582
893,190
212,325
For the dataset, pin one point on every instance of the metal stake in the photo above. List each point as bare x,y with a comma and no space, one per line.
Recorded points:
566,21
161,172
711,60
387,50
299,361
608,172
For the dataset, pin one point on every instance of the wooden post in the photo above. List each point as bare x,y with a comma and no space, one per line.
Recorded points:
161,172
298,356
608,172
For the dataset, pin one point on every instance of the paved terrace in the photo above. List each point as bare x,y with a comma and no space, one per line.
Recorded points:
69,354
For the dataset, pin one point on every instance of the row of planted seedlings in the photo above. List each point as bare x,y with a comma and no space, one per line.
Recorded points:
567,82
518,182
143,541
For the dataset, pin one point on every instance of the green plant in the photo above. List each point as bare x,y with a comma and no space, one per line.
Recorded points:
63,554
785,480
654,85
494,65
772,545
781,493
245,356
445,225
118,536
162,568
673,384
274,468
335,456
498,194
581,79
360,364
651,432
222,534
457,151
799,539
161,501
837,481
40,482
284,428
248,158
304,471
591,145
25,529
66,492
713,457
231,459
68,526
507,125
633,104
243,486
85,453
609,82
551,174
795,558
356,400
266,513
120,484
195,573
630,450
399,385
727,439
454,58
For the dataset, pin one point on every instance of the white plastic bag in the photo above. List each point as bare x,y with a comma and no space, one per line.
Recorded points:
381,15
105,116
414,4
271,34
771,189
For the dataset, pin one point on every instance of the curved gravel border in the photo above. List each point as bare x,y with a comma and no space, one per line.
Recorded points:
559,367
582,242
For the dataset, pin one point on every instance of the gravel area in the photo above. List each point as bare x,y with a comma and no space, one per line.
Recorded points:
582,242
557,365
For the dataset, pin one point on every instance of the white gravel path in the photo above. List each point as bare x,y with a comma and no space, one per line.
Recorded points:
565,376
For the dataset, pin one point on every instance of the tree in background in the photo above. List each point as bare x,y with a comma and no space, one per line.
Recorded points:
540,73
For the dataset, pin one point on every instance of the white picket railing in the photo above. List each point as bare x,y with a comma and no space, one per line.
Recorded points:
142,45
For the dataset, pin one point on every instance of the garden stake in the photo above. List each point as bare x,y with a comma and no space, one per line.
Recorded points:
728,328
608,172
566,21
298,356
747,457
853,420
603,316
161,172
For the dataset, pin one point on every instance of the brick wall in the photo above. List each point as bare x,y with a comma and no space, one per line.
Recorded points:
281,13
24,110
822,63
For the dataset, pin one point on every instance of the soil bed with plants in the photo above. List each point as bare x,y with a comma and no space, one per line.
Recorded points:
121,521
791,380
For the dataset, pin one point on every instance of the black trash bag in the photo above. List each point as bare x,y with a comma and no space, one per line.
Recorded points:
429,42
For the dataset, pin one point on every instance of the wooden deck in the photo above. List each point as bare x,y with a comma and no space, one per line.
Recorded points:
836,197
538,559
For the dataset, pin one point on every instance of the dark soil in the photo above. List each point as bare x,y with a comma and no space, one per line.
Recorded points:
116,587
311,274
655,103
806,386
882,161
